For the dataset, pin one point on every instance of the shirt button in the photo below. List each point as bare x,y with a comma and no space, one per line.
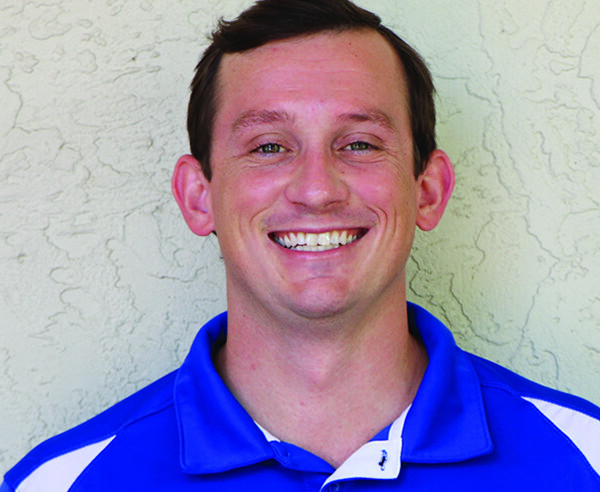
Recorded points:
335,487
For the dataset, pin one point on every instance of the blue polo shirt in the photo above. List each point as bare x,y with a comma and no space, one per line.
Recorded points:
473,426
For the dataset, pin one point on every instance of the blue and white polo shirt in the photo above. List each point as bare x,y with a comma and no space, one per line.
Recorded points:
473,426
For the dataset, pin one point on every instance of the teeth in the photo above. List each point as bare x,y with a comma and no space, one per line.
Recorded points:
325,239
301,241
344,237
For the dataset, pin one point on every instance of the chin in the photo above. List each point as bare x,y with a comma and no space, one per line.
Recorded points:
316,306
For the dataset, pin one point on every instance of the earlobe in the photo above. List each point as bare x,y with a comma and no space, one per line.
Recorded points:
435,186
191,190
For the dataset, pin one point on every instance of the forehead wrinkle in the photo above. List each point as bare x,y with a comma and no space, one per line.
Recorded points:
261,117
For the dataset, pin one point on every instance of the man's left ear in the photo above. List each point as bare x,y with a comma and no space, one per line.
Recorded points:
434,187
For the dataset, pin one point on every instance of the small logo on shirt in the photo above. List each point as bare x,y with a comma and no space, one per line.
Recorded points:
383,460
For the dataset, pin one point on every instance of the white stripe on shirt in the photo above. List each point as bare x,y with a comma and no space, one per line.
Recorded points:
582,429
58,474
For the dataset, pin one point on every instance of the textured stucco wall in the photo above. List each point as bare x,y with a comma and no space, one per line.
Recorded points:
103,287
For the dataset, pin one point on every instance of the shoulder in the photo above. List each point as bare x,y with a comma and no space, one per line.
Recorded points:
494,376
62,458
520,402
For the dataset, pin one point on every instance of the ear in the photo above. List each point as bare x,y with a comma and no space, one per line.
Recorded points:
434,187
192,193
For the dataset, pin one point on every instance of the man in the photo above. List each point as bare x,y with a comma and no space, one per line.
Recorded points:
313,159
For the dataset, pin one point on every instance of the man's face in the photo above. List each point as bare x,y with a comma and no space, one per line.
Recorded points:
313,195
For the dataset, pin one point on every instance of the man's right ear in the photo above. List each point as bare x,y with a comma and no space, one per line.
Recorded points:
192,193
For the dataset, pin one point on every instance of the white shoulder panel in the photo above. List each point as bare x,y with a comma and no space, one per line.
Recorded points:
582,429
58,474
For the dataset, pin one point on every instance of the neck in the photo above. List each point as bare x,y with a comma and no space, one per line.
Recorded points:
303,382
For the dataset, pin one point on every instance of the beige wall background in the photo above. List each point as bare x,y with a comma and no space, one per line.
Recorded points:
102,286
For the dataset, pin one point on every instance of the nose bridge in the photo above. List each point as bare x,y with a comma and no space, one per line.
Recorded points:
318,180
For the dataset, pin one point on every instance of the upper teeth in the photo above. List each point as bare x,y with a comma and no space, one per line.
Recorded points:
308,241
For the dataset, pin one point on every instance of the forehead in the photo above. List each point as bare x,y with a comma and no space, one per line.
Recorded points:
352,63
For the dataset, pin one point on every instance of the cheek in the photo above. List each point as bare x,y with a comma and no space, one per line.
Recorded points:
389,191
243,196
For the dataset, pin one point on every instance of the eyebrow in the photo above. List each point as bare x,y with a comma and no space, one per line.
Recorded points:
265,117
262,117
378,117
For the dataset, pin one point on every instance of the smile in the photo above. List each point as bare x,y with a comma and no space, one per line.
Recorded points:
308,241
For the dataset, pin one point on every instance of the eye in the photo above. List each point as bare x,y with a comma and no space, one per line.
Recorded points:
269,148
359,146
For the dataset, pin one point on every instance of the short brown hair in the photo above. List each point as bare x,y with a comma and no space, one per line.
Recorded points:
274,20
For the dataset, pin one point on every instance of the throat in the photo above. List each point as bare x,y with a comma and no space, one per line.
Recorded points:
330,409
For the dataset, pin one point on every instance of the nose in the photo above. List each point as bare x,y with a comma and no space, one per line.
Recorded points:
318,182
